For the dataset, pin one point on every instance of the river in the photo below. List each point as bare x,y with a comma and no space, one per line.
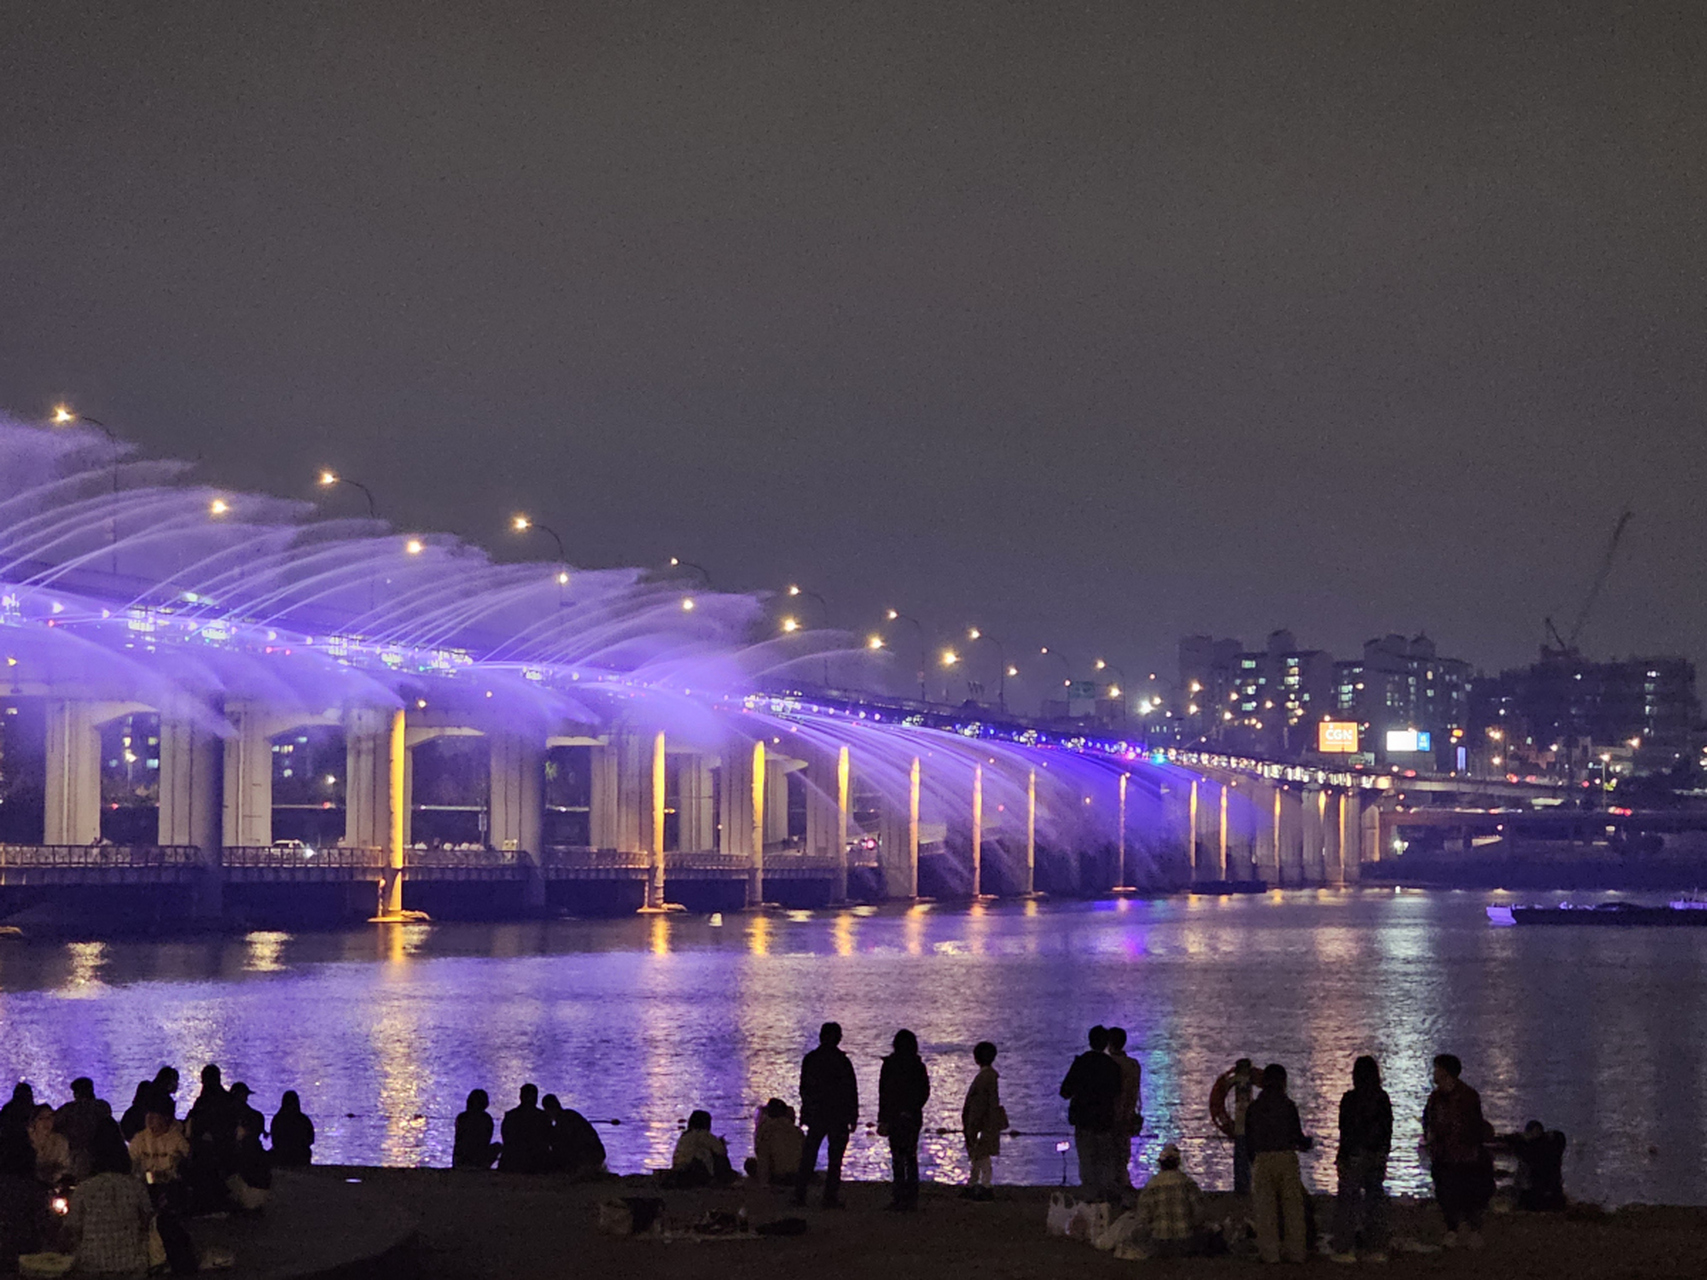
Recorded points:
384,1029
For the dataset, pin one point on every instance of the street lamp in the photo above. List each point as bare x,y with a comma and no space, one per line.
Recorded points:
795,589
894,615
676,562
791,625
63,416
522,524
975,635
330,479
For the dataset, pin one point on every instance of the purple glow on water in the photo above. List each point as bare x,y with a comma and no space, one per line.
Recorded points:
385,1030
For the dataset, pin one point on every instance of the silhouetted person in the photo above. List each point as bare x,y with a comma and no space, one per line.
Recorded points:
1540,1178
701,1158
576,1148
1456,1136
157,1154
1276,1138
20,1110
777,1142
251,1179
1366,1137
25,1219
53,1152
1092,1090
473,1147
903,1088
136,1114
110,1213
1128,1121
166,1090
293,1134
246,1115
79,1119
982,1120
526,1135
829,1109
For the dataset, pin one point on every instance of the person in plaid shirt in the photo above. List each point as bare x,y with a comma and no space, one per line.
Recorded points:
1170,1210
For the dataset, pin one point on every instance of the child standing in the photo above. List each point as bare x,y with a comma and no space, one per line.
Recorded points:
983,1120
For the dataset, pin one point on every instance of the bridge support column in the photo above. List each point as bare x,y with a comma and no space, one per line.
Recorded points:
517,815
1207,830
1242,825
827,781
978,828
374,760
653,834
744,793
1333,838
73,772
190,797
602,825
900,840
1031,834
1310,861
776,799
1289,839
248,781
1369,826
696,824
1122,880
1265,832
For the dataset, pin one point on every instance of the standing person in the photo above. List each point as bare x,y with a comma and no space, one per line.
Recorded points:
1456,1136
1092,1090
1234,1086
1366,1137
829,1110
527,1135
293,1134
1276,1138
982,1120
1128,1118
79,1120
472,1147
903,1088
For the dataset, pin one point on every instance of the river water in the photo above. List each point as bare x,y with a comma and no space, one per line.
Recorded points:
384,1029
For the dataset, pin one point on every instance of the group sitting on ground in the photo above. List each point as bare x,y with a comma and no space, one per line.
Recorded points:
534,1138
126,1185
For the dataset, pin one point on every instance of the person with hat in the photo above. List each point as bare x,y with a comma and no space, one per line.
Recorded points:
1170,1210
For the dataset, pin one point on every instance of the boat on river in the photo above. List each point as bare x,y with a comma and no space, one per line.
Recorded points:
1680,912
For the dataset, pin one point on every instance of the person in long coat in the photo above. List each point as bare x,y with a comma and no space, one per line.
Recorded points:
982,1120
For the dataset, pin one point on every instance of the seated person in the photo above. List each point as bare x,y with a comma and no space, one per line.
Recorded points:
110,1213
25,1223
1170,1211
777,1143
159,1151
53,1152
473,1147
293,1134
1540,1178
701,1157
575,1148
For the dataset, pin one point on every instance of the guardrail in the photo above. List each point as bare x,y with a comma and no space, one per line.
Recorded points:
98,856
275,857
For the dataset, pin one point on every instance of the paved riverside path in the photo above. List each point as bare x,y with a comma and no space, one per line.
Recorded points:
478,1225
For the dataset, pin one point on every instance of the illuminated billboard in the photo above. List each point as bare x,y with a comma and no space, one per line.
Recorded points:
1401,740
1337,737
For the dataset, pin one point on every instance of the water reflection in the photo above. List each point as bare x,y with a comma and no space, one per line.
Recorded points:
384,1030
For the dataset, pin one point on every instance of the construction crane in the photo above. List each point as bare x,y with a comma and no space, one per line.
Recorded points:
1567,645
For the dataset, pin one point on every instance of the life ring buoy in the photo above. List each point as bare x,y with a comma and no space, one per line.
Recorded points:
1218,1113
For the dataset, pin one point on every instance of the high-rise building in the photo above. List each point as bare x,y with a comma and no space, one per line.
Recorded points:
1411,705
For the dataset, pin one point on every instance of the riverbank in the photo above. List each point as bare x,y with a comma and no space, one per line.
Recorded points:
472,1226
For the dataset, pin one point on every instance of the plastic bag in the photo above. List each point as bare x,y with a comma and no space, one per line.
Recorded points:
1117,1232
1089,1221
1061,1207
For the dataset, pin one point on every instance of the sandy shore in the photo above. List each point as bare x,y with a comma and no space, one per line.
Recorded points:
480,1225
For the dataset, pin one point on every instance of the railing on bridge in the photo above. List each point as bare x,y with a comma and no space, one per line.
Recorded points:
115,856
98,864
466,864
293,862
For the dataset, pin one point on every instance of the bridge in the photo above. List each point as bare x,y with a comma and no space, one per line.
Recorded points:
256,694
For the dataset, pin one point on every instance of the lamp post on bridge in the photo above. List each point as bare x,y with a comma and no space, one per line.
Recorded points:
975,635
894,615
676,562
64,415
523,524
331,479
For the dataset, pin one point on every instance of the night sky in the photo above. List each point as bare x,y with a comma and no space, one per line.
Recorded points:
1092,324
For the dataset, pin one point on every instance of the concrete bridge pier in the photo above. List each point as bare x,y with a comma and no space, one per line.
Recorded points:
1289,837
899,839
375,758
744,794
1243,823
191,795
516,820
1333,838
73,810
1208,830
828,781
696,804
1313,810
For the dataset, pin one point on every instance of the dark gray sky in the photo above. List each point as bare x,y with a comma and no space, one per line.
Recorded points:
1093,324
